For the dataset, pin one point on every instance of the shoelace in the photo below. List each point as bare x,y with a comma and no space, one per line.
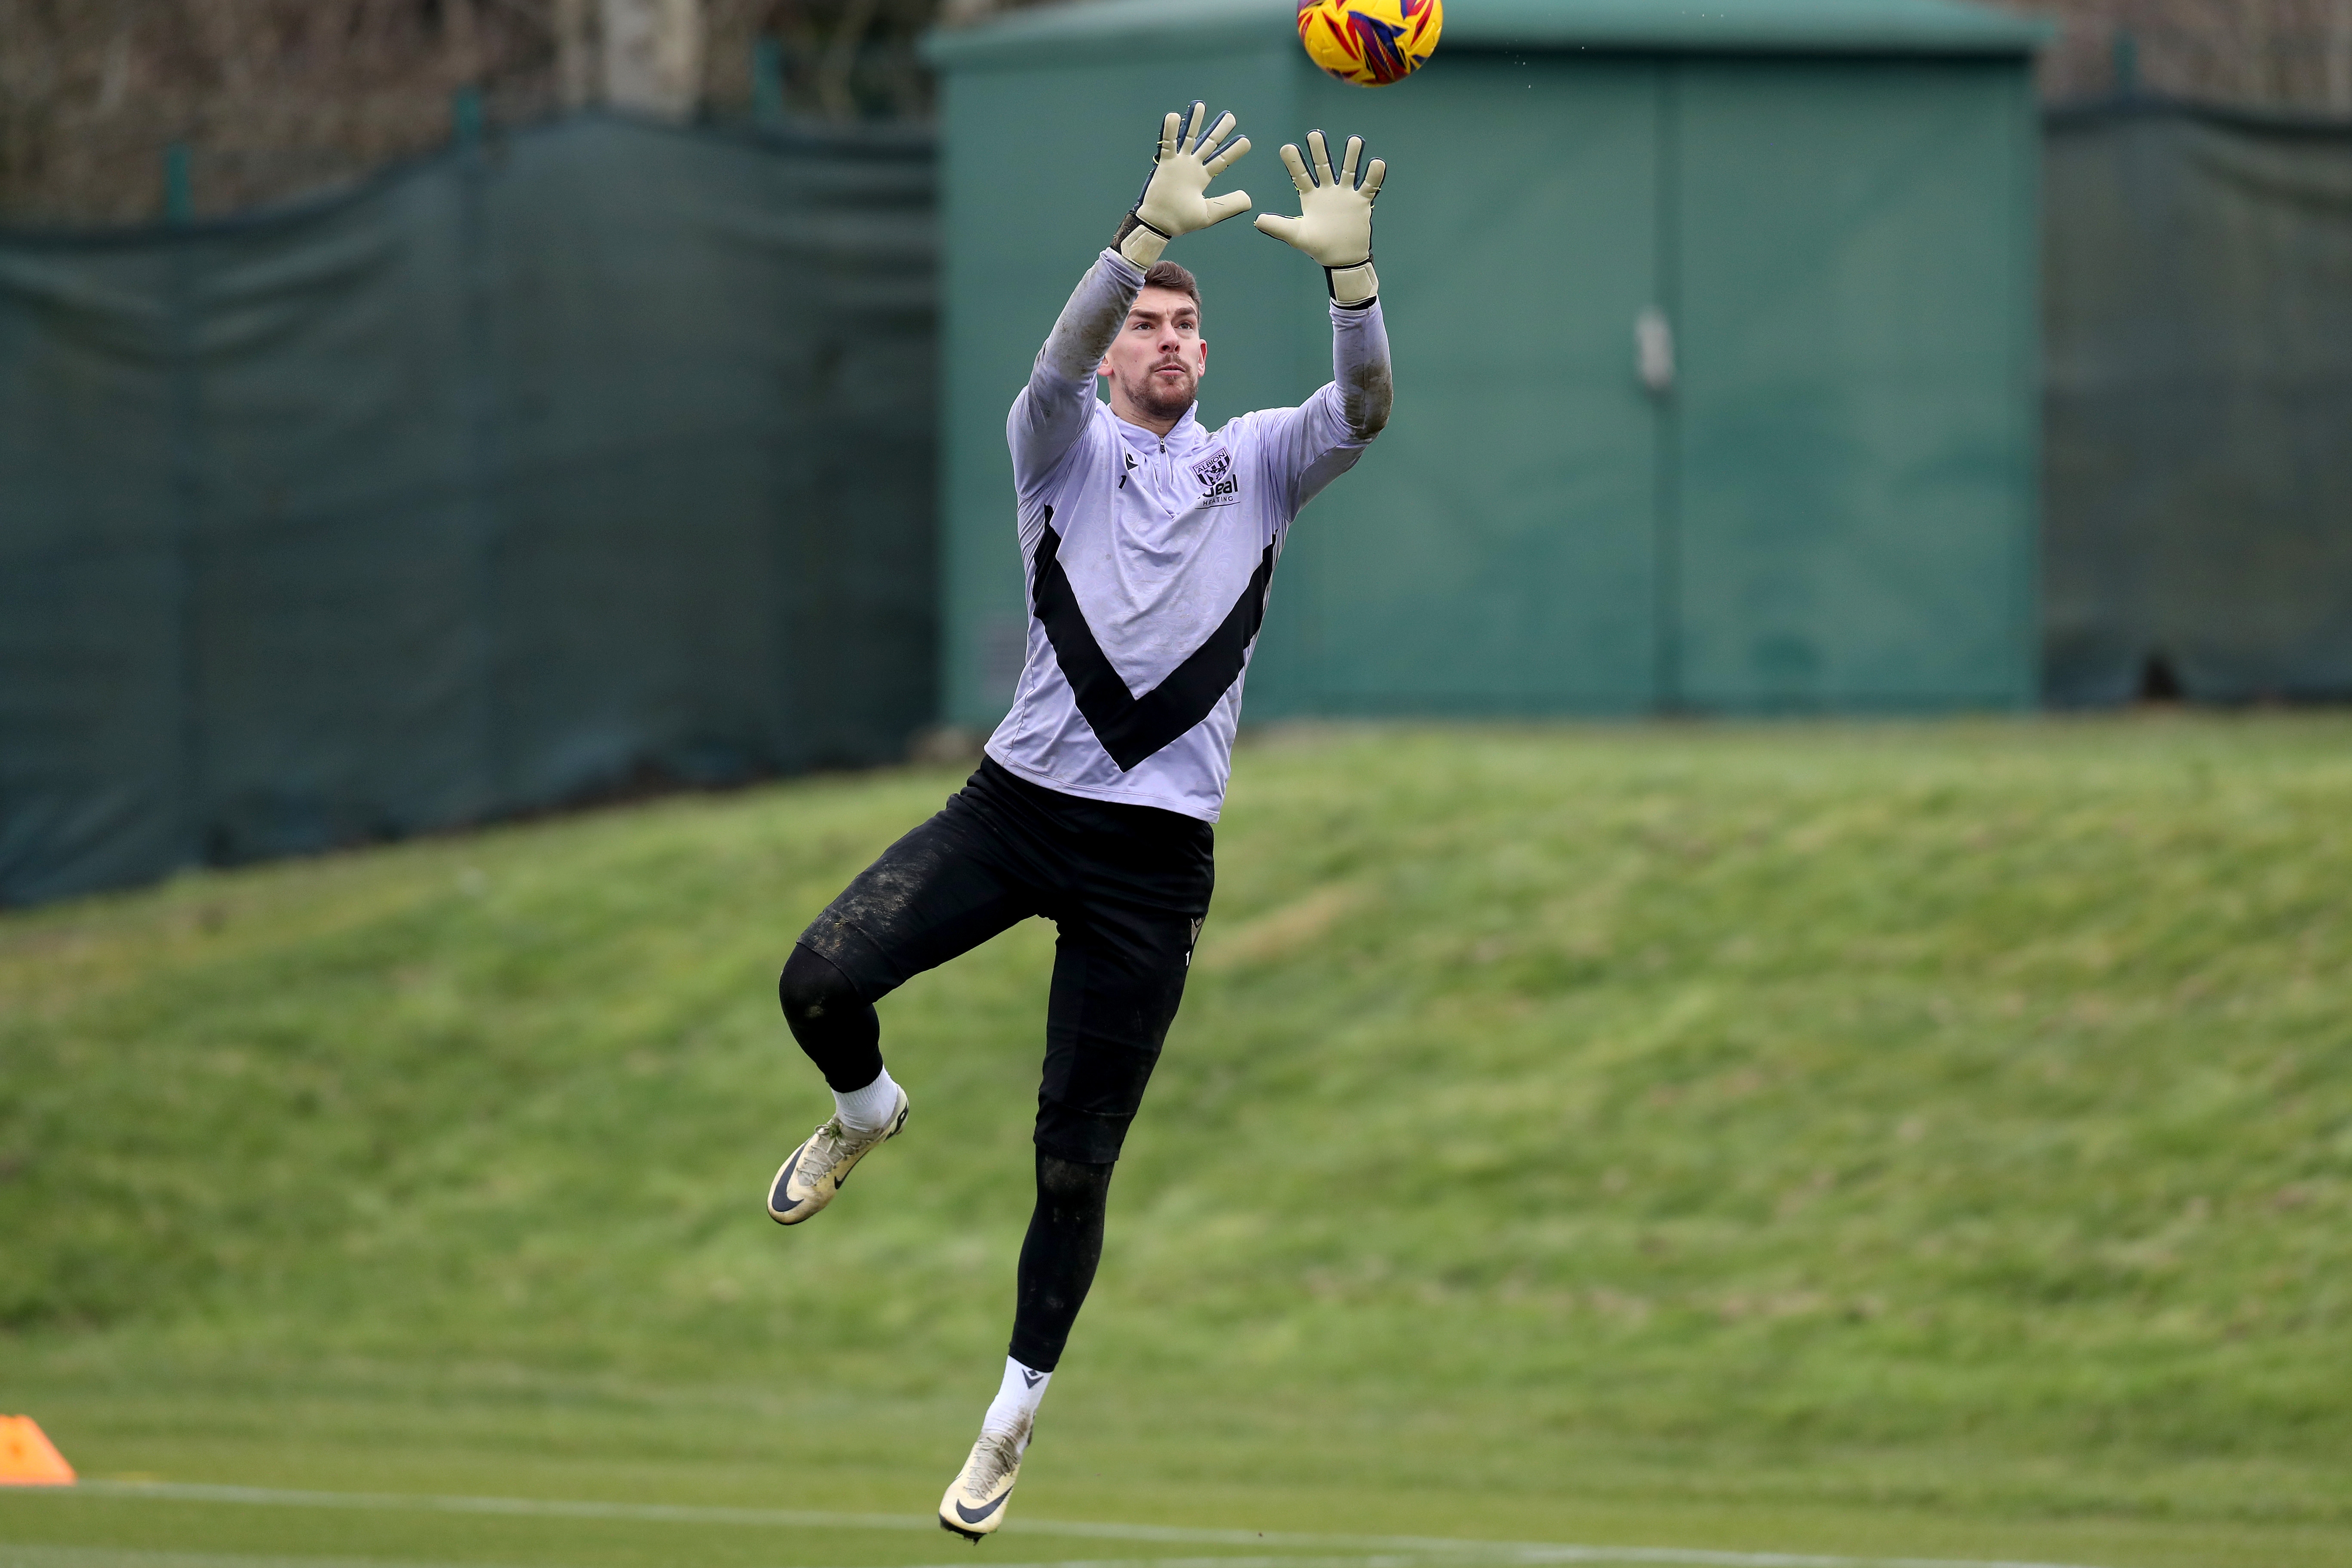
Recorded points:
829,1143
836,1138
994,1459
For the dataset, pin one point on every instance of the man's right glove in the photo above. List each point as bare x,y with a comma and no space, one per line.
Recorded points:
1175,198
1334,224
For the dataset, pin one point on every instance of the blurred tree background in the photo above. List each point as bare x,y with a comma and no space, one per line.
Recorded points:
278,99
2275,54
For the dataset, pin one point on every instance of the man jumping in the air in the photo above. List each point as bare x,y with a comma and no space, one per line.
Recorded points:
1149,543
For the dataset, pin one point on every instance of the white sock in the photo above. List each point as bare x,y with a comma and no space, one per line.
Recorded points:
1013,1411
868,1109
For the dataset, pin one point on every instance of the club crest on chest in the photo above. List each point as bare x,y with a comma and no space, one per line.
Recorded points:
1219,485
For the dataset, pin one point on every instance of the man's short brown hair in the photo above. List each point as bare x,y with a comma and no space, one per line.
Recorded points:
1167,275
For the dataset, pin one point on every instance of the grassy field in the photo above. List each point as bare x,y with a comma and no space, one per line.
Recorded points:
1929,1140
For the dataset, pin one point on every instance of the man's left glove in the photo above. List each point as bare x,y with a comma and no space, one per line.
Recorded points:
1175,198
1334,224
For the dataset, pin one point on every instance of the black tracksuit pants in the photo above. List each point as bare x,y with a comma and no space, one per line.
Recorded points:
1127,885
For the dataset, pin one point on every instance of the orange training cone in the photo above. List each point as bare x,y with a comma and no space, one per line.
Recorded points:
27,1458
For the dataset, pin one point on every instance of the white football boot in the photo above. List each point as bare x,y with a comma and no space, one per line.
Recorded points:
808,1180
976,1503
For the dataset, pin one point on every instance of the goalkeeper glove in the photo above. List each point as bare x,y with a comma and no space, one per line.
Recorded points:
1334,224
1175,198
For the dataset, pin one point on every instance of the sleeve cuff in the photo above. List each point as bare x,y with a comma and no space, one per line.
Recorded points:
1357,285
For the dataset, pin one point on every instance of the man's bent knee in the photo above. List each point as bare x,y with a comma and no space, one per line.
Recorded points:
833,1023
811,989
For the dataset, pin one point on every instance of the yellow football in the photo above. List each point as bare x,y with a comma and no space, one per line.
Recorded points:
1370,42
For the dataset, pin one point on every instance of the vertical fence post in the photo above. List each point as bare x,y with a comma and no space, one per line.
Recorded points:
466,119
186,396
476,411
179,185
768,82
2124,59
1667,522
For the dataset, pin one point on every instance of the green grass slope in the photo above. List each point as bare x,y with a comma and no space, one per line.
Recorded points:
1954,1121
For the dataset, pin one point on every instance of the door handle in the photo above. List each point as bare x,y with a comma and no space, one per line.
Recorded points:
1654,351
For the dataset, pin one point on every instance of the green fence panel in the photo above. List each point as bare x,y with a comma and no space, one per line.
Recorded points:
336,681
590,456
2200,405
94,574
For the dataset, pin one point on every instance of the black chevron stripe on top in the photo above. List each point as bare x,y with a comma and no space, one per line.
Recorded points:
1132,728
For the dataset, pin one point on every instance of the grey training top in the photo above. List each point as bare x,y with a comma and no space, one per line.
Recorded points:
1149,557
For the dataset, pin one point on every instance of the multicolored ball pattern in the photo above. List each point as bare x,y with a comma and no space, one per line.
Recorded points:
1371,43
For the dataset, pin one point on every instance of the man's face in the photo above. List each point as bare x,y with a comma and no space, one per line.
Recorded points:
1156,362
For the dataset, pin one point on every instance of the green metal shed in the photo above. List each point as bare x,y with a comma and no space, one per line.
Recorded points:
1828,206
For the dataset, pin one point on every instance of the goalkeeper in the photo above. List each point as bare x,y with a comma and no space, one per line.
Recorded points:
1149,543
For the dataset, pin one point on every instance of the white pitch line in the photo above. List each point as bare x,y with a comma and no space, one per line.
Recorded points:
1364,1551
17,1556
541,1507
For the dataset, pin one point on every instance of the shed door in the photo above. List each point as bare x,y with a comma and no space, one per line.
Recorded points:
1849,397
1497,550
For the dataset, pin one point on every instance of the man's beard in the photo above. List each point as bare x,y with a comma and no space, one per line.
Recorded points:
1149,396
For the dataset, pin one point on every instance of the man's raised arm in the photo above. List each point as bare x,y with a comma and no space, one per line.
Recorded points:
1321,438
1051,410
